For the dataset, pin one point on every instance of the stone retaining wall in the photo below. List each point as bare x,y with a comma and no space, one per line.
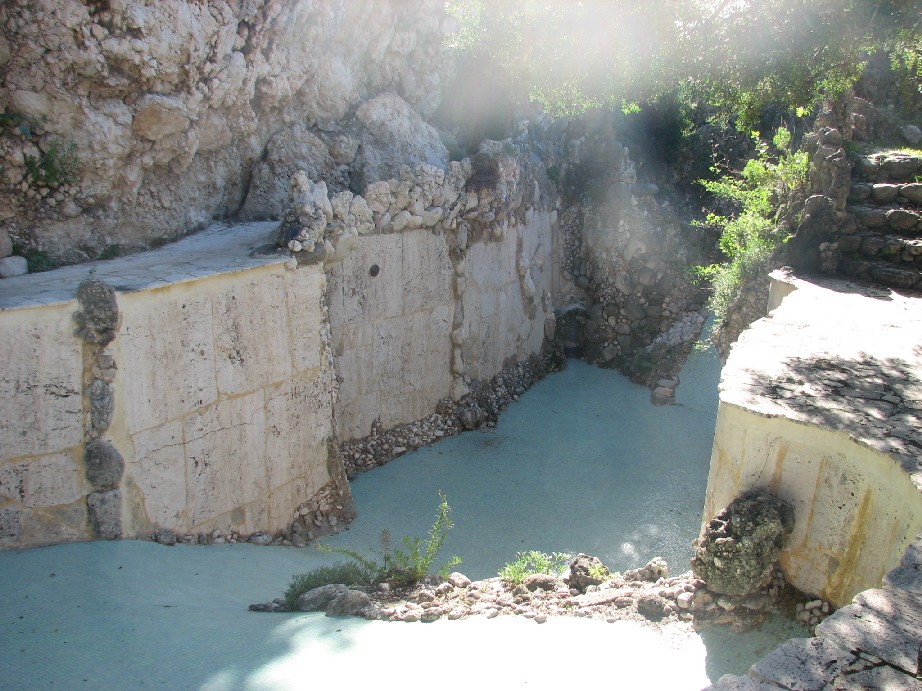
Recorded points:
392,330
211,408
821,404
410,322
200,387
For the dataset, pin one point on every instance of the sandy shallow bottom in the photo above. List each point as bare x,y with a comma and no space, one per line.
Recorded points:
582,463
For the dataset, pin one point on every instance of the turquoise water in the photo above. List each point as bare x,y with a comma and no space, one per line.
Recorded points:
582,462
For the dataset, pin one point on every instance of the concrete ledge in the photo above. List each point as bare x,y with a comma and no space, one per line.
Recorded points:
839,356
821,404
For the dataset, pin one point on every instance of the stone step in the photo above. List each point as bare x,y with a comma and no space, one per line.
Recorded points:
886,193
895,249
888,166
882,273
895,219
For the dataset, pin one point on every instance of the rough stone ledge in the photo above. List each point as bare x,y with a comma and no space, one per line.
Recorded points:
873,643
817,360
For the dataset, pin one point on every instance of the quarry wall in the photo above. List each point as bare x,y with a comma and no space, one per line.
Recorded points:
131,123
210,408
408,336
202,388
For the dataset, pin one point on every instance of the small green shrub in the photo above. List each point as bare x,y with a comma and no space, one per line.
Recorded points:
37,260
600,572
532,562
12,121
347,573
417,561
766,194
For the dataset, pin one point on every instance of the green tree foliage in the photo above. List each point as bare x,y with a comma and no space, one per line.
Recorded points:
736,54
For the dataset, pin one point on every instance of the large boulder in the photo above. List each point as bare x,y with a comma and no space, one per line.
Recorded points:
349,604
318,599
738,549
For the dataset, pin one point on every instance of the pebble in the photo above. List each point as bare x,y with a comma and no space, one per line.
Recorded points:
459,580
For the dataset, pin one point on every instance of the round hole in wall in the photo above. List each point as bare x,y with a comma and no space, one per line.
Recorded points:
374,270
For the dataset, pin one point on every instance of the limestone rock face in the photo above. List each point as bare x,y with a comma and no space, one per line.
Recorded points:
291,150
133,122
738,549
395,134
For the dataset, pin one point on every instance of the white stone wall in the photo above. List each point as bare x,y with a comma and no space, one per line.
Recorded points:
408,337
238,437
223,408
506,297
391,332
855,509
42,487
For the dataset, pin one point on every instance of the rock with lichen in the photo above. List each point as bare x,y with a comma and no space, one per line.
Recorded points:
738,549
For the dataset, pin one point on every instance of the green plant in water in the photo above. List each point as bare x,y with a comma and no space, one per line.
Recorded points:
416,563
409,565
533,562
766,192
